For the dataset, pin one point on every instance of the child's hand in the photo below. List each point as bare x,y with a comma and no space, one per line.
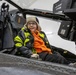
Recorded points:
35,56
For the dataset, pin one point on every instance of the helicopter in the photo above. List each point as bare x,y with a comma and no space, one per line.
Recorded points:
12,21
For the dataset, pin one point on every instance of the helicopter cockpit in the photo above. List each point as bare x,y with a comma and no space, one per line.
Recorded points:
61,20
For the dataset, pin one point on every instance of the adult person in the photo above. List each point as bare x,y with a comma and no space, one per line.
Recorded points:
32,42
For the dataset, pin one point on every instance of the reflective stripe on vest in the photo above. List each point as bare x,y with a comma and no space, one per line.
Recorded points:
18,45
20,42
41,35
26,34
26,40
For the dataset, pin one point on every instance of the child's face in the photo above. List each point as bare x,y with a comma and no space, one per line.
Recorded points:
32,26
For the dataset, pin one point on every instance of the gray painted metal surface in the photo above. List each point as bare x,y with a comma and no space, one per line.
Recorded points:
35,65
19,71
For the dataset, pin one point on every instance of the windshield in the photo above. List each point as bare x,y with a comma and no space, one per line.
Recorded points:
24,3
36,4
32,4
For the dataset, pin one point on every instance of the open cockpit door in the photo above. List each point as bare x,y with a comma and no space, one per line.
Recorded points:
67,29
